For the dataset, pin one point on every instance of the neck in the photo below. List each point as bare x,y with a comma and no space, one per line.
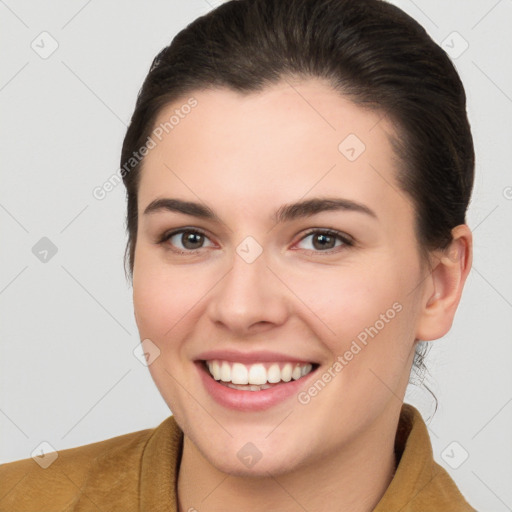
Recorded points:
353,478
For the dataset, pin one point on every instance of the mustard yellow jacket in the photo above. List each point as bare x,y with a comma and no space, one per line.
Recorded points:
138,472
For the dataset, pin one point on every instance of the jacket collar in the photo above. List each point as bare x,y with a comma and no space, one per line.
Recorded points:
419,482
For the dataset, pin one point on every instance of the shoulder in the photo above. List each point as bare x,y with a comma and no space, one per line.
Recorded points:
419,482
29,485
439,493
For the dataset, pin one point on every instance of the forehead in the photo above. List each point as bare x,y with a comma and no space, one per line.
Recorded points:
278,144
295,107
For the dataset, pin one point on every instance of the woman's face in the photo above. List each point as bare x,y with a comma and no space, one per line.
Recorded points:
248,283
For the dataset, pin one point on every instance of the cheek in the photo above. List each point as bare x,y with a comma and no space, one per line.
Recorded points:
168,298
363,311
157,312
350,297
160,298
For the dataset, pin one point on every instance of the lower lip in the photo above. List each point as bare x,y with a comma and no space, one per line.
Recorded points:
250,400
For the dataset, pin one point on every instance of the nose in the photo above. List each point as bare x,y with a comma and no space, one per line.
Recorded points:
248,299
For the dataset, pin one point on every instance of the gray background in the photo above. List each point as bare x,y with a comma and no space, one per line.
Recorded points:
68,372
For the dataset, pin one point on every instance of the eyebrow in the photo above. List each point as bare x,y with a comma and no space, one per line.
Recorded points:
285,213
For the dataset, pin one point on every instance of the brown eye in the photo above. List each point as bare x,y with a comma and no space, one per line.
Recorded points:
186,240
192,240
324,241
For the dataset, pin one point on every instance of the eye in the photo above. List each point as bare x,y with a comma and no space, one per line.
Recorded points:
185,240
324,240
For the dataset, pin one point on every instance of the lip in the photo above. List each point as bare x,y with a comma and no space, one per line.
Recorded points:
257,356
241,400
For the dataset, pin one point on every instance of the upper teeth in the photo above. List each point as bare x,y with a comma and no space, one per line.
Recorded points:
259,373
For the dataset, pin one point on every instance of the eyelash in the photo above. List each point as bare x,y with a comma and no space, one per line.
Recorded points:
347,241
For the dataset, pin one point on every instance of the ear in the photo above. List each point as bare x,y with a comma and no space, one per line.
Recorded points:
444,285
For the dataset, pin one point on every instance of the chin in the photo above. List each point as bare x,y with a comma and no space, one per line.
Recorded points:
263,468
258,460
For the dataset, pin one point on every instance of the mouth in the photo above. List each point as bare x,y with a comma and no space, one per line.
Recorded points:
256,377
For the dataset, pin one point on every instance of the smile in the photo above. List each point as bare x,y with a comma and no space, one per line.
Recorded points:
256,380
256,377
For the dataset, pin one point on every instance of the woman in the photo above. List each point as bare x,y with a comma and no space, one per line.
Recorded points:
297,174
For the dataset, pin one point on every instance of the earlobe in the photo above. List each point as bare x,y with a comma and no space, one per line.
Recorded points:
443,287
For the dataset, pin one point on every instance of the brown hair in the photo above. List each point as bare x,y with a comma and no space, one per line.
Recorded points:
368,50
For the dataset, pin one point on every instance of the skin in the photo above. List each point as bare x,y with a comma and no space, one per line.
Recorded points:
244,157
